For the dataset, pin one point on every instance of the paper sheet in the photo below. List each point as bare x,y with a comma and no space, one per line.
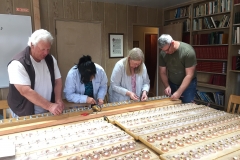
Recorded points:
7,148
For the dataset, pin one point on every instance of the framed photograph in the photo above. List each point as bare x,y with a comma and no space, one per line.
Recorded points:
115,45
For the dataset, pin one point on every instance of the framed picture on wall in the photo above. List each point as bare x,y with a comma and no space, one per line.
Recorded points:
115,45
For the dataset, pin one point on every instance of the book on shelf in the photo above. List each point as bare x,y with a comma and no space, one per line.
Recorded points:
213,22
215,67
212,7
206,23
202,97
236,35
181,12
186,25
211,97
195,24
210,22
205,96
236,1
222,21
237,18
210,38
210,81
224,38
219,98
235,62
178,13
211,52
226,5
224,67
225,22
219,80
228,24
215,6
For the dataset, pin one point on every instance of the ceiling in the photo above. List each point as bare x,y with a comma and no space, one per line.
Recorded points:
146,3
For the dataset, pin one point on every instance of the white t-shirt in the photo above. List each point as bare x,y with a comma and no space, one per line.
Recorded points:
43,85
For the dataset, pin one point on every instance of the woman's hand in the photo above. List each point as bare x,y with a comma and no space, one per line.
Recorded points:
132,95
100,101
144,96
91,100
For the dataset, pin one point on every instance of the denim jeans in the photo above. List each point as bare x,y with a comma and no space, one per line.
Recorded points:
189,93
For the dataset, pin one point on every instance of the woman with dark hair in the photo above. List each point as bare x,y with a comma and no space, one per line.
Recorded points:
129,79
86,82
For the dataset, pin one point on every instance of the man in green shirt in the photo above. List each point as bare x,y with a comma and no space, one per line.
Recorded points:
177,65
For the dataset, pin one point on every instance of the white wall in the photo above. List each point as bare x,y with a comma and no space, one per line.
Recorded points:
14,33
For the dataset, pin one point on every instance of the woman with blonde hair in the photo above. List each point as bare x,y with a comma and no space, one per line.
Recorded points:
129,79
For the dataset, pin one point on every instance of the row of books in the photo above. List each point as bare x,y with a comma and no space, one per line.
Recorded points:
211,97
186,25
216,79
236,1
213,7
209,66
236,35
211,52
237,18
209,22
182,12
235,62
210,38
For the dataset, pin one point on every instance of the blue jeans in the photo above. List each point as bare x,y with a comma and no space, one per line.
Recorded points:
189,94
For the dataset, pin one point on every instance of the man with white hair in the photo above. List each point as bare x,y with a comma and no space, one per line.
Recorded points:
177,66
35,85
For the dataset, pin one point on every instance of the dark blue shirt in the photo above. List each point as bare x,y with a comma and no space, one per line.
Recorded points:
88,89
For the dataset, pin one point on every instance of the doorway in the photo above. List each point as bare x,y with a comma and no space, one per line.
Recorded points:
146,40
151,58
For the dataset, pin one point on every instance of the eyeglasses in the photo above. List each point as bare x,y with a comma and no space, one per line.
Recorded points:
167,50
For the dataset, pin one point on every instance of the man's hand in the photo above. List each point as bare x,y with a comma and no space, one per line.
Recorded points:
55,109
100,101
144,96
168,91
175,96
132,95
91,100
61,103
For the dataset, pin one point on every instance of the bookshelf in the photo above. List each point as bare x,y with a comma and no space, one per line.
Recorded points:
237,71
213,105
180,14
210,29
233,76
217,87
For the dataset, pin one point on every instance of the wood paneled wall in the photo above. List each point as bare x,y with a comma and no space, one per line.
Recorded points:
116,18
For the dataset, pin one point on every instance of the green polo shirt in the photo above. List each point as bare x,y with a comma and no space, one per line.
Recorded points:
183,57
